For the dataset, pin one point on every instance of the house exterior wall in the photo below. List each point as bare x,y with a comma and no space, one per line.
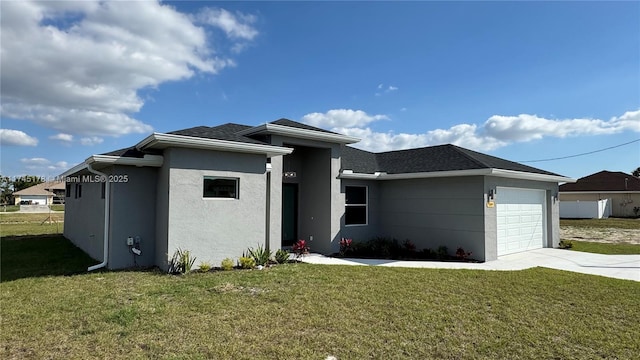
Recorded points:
622,204
360,233
434,212
84,217
212,228
132,213
490,213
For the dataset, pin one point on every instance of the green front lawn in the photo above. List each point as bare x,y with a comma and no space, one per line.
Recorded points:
20,224
606,248
616,223
300,311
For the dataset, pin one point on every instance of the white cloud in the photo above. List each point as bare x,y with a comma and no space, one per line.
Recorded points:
388,89
526,127
42,164
496,132
93,140
340,118
62,137
236,26
17,138
35,161
77,66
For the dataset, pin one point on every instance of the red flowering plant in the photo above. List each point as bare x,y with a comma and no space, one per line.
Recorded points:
300,248
345,246
461,254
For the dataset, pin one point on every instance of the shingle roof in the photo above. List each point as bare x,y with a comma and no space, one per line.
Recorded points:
126,152
41,189
295,124
228,132
604,181
428,159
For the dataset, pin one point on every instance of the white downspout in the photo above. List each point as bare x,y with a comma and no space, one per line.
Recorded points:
105,240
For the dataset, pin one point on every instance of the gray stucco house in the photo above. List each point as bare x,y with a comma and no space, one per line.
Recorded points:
217,191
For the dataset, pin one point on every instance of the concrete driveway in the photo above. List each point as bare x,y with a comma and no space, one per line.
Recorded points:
615,266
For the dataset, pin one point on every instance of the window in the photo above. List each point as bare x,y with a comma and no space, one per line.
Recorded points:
67,190
217,187
78,191
356,208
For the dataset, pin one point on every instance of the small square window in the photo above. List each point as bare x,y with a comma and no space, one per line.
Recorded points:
216,187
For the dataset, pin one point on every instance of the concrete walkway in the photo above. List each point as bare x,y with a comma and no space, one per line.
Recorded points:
615,266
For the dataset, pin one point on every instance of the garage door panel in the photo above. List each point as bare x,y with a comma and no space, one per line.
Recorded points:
520,215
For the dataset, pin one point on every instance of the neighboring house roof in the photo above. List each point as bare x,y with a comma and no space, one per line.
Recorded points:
41,189
428,159
604,181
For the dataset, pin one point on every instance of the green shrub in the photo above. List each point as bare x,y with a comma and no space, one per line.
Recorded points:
565,244
282,256
205,266
181,262
226,264
260,255
246,262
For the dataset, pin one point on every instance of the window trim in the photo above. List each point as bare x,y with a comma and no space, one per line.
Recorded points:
213,177
366,205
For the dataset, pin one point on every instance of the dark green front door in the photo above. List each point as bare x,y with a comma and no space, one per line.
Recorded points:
289,214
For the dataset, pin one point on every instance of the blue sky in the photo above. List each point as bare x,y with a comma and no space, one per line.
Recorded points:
518,80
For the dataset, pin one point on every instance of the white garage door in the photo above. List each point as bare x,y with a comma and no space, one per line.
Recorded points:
35,199
521,215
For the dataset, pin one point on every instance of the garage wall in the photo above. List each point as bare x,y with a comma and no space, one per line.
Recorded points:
552,218
435,212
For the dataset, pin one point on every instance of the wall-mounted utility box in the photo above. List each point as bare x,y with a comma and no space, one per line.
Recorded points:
129,241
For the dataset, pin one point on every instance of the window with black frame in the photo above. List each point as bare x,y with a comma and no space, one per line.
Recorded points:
221,187
356,205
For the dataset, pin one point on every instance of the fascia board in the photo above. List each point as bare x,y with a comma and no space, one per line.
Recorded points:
159,140
531,176
147,160
348,174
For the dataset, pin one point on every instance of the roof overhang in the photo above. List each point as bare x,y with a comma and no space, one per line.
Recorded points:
299,133
102,161
349,174
163,141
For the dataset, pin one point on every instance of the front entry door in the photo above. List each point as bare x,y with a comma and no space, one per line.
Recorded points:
289,214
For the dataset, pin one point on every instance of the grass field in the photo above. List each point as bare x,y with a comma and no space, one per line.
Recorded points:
19,224
616,223
299,311
9,208
604,248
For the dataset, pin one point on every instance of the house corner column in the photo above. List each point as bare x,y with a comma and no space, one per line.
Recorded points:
337,198
275,205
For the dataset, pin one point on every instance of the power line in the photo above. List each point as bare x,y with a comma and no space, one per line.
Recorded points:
582,154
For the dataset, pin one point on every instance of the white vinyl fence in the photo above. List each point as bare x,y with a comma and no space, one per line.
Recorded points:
585,209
